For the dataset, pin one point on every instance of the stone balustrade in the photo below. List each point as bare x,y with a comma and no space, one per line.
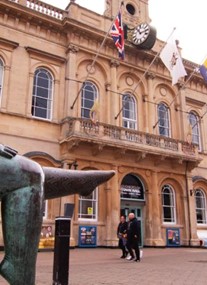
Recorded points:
42,7
79,127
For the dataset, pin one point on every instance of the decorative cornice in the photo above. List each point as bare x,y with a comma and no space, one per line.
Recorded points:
36,53
114,63
72,48
7,44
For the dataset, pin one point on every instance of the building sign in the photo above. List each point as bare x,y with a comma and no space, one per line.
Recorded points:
173,237
87,236
132,192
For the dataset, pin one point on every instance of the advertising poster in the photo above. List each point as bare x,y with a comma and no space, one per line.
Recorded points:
87,236
173,237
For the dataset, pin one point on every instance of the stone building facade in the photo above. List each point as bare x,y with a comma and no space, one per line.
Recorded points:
151,133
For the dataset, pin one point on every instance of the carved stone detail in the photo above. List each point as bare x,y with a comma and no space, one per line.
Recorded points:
72,48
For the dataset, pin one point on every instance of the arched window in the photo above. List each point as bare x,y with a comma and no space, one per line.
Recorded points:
129,119
200,199
88,206
194,122
168,204
42,94
163,120
88,96
1,77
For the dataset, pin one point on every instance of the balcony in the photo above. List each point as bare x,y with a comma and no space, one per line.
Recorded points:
75,131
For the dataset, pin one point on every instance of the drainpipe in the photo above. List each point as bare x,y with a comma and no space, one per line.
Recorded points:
188,201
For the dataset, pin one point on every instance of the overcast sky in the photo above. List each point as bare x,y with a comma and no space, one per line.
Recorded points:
189,18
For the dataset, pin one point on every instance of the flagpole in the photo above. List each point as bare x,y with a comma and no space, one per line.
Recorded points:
95,58
143,75
183,86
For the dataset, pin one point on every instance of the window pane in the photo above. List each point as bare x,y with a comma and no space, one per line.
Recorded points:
200,200
163,120
42,94
128,112
88,96
194,122
168,204
88,206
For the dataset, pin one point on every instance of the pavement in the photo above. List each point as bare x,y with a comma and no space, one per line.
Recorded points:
103,266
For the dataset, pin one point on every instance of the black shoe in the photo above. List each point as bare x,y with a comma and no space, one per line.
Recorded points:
123,256
136,259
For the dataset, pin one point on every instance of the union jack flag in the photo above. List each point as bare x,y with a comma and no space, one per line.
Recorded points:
117,34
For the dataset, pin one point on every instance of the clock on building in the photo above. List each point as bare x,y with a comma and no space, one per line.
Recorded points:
143,36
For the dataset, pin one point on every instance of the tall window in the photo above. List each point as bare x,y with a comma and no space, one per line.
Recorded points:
168,204
88,206
200,200
42,94
163,120
88,96
194,122
1,77
129,112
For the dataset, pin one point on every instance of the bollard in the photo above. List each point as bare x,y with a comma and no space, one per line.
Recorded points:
61,251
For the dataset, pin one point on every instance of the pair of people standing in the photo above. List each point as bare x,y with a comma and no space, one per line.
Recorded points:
131,237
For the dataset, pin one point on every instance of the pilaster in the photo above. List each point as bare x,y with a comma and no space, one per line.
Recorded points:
156,214
150,108
71,85
114,96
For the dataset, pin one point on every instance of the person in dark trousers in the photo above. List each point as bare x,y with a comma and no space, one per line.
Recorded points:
133,238
121,234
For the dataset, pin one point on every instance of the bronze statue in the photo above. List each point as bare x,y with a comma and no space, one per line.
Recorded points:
24,185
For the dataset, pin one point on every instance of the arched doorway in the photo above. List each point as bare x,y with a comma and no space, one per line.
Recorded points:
133,200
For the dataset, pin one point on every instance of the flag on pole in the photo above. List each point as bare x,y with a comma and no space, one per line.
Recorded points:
94,112
172,60
117,34
203,70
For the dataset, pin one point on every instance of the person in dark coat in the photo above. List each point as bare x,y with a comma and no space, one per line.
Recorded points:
133,238
121,234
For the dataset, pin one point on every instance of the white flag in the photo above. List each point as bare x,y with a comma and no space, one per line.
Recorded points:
172,60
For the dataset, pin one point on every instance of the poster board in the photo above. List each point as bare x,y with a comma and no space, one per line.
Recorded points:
87,236
173,237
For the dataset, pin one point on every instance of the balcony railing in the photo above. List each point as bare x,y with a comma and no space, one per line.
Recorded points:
84,129
42,7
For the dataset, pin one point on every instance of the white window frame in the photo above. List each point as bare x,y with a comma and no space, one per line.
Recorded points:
130,121
45,209
36,97
87,102
94,205
171,206
166,118
195,125
1,78
199,194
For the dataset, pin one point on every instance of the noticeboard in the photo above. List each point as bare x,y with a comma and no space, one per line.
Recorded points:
87,236
173,237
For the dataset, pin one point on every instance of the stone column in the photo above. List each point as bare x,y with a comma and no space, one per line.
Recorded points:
194,241
68,199
156,213
55,100
30,92
113,209
115,106
150,107
149,216
72,86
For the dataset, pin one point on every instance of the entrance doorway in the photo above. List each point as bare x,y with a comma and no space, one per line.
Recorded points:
125,210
